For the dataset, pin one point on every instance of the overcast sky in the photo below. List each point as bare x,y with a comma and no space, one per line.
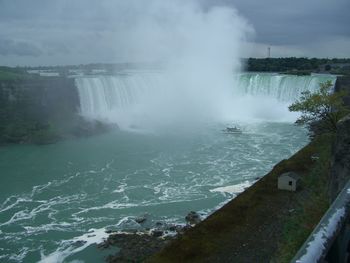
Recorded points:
52,32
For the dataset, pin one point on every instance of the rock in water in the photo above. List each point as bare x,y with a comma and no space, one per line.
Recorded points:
157,233
140,219
193,218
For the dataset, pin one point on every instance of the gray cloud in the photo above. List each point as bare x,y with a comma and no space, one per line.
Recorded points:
19,48
281,22
82,31
56,48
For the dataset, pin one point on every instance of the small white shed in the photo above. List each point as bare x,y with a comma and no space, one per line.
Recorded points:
288,181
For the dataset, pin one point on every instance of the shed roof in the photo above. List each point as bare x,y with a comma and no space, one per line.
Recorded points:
293,175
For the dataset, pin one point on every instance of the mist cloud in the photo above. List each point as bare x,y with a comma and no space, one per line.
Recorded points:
199,50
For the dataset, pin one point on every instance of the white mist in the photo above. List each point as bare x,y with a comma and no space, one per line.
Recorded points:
200,51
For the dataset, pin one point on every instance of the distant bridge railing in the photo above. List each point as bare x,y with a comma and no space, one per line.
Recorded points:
330,240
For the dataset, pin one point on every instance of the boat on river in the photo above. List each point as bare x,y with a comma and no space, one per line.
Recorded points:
232,130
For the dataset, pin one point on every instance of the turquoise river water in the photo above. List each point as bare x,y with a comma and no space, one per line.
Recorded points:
56,201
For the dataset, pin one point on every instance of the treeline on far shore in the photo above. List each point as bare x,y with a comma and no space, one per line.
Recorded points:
288,65
294,65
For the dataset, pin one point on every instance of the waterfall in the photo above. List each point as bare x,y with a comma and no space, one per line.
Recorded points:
101,95
286,88
148,96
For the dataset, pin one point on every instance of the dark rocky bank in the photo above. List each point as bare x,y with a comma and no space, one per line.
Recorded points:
340,172
134,247
42,110
138,245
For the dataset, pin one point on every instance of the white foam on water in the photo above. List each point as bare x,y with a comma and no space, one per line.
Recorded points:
111,205
181,194
18,216
127,223
44,206
17,202
121,188
55,183
62,226
158,188
68,247
19,256
232,189
39,188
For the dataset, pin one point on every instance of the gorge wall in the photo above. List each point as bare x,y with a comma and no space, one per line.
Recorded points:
49,94
37,109
340,163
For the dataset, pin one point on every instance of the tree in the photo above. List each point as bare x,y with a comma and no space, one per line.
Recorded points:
327,67
323,106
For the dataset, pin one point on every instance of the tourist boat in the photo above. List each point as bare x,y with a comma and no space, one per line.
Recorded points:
233,130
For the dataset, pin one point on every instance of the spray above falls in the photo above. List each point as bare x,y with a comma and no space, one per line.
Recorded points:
135,98
199,50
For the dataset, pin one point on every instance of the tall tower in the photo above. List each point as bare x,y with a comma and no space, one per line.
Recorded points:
268,52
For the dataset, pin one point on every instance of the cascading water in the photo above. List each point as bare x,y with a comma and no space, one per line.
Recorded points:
99,95
128,98
285,88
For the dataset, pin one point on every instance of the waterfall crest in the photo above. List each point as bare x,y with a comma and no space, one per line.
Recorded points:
285,88
100,95
138,96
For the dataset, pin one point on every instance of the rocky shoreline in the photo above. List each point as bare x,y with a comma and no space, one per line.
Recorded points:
134,247
137,245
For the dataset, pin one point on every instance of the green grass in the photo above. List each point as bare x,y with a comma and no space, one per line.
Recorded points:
7,73
312,205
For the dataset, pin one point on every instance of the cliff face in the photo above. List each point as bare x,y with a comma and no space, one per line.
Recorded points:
343,84
340,163
36,109
47,94
42,110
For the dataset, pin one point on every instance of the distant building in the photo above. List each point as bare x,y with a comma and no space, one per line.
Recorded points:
76,71
288,181
44,72
98,71
49,74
